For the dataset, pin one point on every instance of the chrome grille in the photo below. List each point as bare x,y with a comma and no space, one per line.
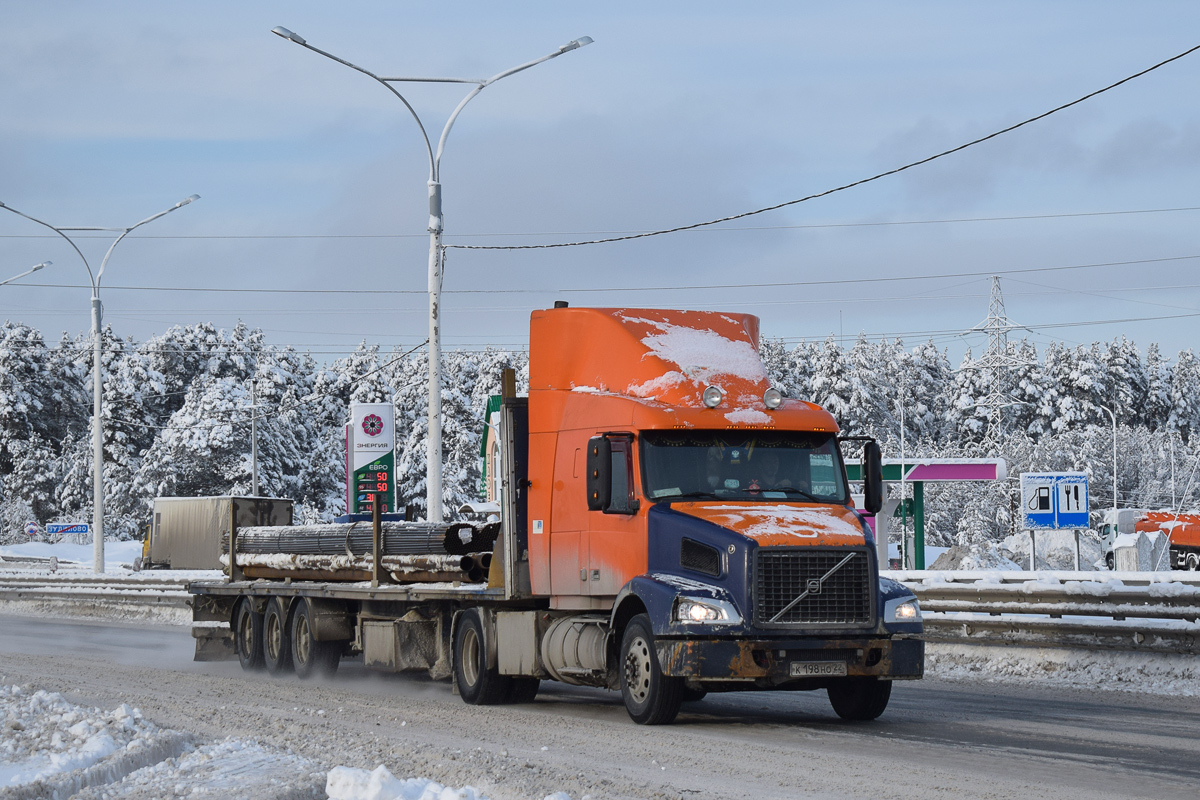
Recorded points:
833,595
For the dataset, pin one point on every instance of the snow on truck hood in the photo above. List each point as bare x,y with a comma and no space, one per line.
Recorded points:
782,523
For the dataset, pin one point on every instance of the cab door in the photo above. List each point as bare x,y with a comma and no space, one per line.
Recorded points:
616,544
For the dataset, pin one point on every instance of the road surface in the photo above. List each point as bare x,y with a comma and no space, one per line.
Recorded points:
936,740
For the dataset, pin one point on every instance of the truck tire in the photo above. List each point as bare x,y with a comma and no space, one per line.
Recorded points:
248,635
692,695
310,657
1193,562
277,644
860,699
477,685
523,690
651,698
1110,561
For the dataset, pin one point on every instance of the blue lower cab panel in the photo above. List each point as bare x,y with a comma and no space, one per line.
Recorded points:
777,662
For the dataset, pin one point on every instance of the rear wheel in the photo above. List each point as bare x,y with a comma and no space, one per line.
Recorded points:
860,699
277,644
1110,562
310,657
651,698
248,635
523,690
1193,562
478,685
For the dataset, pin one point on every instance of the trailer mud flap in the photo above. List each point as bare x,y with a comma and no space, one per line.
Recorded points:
213,643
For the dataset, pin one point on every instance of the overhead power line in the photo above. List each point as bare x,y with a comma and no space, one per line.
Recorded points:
836,189
731,228
581,290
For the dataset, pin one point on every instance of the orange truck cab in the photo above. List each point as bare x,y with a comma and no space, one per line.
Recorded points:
685,528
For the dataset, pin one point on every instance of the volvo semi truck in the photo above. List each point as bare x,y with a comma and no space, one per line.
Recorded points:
670,526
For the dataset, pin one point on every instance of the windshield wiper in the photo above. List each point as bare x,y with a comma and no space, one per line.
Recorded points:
801,492
690,495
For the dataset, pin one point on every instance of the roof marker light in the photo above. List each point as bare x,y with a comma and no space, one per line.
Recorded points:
772,398
712,396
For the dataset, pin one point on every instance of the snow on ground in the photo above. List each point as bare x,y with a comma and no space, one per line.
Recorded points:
51,748
115,553
1167,674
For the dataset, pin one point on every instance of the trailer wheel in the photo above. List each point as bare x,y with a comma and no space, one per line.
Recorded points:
310,657
248,635
651,698
860,699
277,644
477,685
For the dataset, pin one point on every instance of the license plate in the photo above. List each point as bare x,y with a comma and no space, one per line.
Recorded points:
817,669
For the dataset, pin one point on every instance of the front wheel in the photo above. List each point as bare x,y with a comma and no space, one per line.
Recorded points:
860,699
1110,562
651,698
310,657
248,635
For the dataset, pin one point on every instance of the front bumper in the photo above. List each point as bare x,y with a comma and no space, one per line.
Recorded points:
767,663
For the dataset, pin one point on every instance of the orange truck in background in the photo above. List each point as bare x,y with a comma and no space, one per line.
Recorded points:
670,526
1182,531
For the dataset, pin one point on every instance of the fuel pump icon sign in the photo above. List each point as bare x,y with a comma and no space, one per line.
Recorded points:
1040,500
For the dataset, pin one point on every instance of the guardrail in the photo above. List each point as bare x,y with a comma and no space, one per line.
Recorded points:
1132,611
159,597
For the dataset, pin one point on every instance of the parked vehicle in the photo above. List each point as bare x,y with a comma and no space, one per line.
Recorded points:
187,532
670,526
1182,532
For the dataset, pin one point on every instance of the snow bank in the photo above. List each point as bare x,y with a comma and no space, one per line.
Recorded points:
115,553
347,783
979,556
51,747
1149,673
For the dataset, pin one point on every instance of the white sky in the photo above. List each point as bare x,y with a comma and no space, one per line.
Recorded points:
680,112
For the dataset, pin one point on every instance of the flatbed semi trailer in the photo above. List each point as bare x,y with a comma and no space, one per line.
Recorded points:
670,526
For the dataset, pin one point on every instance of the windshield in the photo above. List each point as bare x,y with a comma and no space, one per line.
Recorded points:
743,465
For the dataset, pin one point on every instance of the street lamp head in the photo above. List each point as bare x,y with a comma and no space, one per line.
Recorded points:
575,44
279,30
190,198
43,264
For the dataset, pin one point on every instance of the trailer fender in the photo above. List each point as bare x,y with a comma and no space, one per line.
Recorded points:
330,619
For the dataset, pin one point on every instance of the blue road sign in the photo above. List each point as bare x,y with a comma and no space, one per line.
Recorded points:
1054,500
63,528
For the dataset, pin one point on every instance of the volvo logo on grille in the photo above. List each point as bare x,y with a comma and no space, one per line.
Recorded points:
814,586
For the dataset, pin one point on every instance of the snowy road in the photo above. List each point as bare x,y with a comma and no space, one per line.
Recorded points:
937,740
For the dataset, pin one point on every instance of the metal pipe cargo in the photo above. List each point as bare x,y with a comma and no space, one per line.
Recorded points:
354,539
401,569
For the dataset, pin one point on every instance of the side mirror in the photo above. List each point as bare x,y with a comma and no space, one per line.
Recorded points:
599,473
872,472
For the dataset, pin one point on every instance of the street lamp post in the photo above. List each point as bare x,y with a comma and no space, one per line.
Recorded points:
433,460
97,393
1114,423
27,272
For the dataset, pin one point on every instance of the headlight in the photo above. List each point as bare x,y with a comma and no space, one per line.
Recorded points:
692,611
712,396
902,609
772,398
